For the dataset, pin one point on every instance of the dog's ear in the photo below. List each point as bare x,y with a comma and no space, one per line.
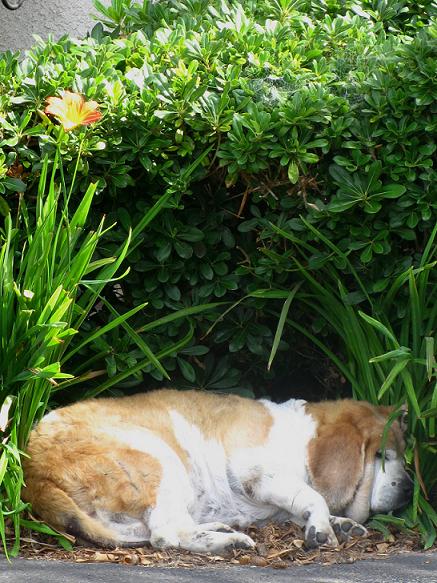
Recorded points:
336,463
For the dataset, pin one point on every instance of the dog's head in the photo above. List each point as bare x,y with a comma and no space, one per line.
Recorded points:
347,465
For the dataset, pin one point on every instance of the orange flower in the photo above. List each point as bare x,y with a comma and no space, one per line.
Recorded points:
71,110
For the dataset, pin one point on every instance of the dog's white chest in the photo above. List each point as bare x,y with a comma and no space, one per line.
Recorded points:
221,482
216,493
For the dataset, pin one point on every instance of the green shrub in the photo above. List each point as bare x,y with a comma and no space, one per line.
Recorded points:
297,141
320,109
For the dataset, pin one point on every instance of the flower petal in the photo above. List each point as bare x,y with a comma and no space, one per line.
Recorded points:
56,106
71,110
90,113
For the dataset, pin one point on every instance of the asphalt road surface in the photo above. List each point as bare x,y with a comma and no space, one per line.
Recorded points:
406,568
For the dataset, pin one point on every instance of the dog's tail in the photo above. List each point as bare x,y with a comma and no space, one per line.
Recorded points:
59,510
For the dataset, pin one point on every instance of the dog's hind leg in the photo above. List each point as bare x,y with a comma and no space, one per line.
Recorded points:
170,521
168,517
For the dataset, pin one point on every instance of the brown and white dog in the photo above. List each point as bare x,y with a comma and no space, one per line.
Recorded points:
178,469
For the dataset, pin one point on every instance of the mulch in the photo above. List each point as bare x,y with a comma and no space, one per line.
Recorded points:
279,547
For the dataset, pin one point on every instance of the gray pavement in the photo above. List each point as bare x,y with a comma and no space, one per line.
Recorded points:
407,568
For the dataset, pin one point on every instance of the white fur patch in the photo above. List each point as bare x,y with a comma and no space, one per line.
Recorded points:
220,483
51,417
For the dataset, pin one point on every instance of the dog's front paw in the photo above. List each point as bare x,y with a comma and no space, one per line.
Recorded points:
240,541
315,536
346,528
215,541
222,542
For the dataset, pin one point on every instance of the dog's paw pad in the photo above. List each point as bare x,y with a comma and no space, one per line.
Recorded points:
345,528
358,531
321,538
241,541
314,538
241,545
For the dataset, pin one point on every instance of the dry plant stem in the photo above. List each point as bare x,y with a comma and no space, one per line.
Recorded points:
419,473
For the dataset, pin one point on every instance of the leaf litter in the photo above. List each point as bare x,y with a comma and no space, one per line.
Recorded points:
278,546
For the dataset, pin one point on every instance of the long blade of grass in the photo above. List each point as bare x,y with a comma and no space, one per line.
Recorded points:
429,251
37,526
432,413
260,294
395,371
381,328
430,356
136,338
103,330
81,214
340,254
157,207
412,397
281,323
107,273
401,352
180,314
3,468
416,316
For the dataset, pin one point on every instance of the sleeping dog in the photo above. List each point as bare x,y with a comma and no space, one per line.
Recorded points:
183,469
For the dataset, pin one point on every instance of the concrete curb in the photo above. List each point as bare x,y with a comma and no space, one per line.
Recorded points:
403,568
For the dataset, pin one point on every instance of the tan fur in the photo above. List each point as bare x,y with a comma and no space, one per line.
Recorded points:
348,436
71,474
231,420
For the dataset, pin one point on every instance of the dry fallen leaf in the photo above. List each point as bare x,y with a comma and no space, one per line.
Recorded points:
278,564
131,559
259,561
102,557
382,547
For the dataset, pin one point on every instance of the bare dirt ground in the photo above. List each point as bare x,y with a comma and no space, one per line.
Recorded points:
277,546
